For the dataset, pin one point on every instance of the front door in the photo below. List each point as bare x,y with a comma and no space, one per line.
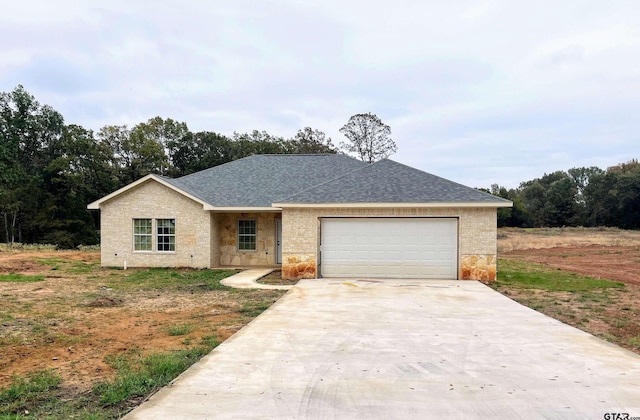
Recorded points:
278,241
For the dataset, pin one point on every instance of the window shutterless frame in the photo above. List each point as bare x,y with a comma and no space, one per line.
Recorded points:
247,235
165,235
142,234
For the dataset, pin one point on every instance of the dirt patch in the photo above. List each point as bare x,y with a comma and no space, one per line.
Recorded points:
74,321
30,262
275,278
105,302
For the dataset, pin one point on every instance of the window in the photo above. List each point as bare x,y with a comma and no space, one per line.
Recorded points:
246,235
166,238
142,232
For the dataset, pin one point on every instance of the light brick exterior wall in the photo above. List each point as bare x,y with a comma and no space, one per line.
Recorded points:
152,200
477,230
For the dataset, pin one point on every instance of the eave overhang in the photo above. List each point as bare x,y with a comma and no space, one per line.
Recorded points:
215,209
396,205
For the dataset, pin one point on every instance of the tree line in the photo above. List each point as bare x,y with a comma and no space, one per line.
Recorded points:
587,196
50,171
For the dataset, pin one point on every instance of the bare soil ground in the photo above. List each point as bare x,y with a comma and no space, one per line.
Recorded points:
275,277
73,321
611,254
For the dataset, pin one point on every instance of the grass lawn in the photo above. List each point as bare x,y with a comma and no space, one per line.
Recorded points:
524,275
19,278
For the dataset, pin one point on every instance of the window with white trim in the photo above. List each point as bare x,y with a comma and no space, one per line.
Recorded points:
142,234
246,235
166,235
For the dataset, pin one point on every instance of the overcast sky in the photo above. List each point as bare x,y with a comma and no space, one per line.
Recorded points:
480,92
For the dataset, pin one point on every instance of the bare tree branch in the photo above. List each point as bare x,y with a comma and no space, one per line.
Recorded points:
369,138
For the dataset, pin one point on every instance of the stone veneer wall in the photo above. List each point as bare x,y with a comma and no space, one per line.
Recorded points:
477,231
215,240
265,254
153,200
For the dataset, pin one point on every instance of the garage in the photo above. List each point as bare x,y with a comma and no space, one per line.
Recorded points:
389,247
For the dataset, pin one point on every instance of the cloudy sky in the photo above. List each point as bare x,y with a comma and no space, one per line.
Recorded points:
477,91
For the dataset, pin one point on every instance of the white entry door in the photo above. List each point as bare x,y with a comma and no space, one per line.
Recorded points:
389,247
278,241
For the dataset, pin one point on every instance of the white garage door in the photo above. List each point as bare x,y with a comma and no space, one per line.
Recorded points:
389,247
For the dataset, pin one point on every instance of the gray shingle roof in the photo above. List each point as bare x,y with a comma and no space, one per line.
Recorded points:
259,180
387,181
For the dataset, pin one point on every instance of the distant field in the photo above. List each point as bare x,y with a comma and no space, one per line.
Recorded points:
513,239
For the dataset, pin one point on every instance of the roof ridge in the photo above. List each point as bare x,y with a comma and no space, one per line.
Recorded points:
297,154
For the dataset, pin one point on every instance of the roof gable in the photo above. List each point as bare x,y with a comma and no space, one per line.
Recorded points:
149,178
387,181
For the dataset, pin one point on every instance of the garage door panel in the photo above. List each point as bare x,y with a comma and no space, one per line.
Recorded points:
390,247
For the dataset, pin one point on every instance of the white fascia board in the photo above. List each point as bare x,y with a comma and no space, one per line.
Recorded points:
96,204
215,209
394,205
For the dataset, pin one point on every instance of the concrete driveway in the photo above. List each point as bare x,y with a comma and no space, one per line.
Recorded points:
397,349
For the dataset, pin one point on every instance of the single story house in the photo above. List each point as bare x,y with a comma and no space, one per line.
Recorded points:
315,216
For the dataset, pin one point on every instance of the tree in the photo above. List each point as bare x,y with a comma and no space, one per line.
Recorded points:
200,151
368,137
533,197
309,141
515,216
550,199
80,172
629,199
581,178
29,136
168,133
256,143
136,153
560,207
613,198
